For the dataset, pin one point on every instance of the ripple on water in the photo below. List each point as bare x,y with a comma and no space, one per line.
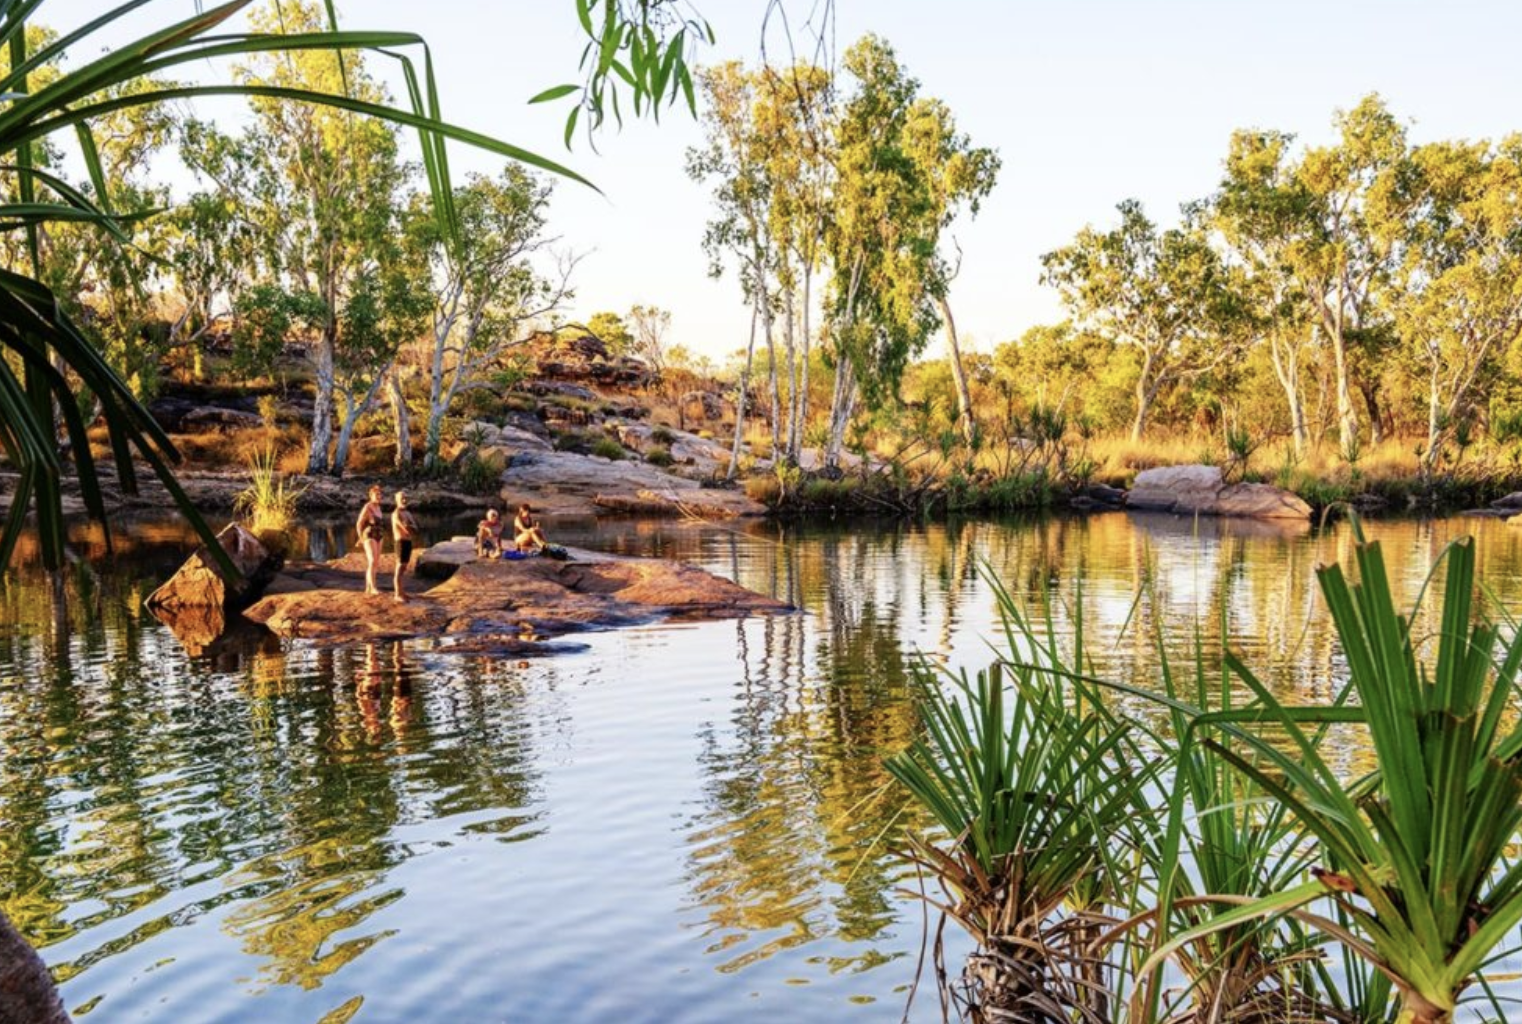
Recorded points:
681,823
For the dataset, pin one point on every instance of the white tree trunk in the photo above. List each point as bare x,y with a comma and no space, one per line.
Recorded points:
958,374
750,351
322,409
403,418
841,408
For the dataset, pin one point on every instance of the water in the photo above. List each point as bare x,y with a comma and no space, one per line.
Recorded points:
680,823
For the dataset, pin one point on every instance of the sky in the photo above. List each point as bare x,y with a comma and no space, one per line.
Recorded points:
1088,102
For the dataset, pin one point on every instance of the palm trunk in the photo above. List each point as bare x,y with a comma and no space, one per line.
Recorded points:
959,374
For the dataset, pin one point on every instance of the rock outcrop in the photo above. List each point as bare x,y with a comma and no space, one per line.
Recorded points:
505,606
565,483
1201,490
27,995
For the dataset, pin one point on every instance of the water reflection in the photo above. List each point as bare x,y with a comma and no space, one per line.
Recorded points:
681,823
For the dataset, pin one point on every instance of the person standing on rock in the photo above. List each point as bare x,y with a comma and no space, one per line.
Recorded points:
371,527
403,532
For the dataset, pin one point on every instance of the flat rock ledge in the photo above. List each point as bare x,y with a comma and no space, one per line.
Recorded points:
1201,490
506,607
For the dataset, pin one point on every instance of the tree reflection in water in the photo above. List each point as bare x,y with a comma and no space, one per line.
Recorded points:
272,797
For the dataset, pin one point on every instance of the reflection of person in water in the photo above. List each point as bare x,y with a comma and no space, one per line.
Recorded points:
401,693
367,693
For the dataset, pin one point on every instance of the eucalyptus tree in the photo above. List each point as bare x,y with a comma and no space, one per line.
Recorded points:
650,324
881,238
609,328
1163,293
792,115
641,48
1460,305
488,289
1350,240
957,174
734,157
1261,209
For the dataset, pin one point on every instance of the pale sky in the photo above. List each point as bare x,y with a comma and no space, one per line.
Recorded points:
1088,102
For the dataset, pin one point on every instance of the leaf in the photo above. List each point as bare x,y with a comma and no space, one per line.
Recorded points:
554,93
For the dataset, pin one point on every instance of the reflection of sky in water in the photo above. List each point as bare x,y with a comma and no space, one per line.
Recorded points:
679,823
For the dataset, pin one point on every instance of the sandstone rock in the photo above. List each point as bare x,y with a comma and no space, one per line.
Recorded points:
560,389
508,437
27,994
565,483
1166,488
1512,502
1200,490
1104,495
487,604
1260,501
443,559
201,583
700,456
699,406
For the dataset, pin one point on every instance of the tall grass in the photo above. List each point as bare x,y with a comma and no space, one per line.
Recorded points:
268,504
1225,862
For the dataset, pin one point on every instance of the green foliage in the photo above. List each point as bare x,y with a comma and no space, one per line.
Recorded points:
610,329
659,456
605,447
268,504
662,436
481,472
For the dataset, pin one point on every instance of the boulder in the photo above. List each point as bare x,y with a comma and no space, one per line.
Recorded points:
196,600
1175,488
27,993
1510,503
201,583
1201,490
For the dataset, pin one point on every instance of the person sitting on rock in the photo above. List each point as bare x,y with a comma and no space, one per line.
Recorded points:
403,531
489,535
528,534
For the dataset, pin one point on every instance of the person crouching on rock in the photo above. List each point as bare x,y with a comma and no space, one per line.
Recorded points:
403,532
489,535
371,527
528,534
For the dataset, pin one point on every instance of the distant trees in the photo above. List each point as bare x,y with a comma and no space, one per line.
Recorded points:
1376,284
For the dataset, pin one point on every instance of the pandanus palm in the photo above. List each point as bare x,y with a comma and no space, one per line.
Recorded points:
1418,856
1031,790
45,358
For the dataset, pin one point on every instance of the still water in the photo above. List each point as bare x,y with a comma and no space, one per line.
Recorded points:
676,823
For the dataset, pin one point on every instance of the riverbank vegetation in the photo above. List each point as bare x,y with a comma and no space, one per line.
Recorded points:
1226,858
1338,320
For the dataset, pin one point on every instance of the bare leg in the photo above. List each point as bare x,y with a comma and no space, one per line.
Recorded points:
396,581
372,555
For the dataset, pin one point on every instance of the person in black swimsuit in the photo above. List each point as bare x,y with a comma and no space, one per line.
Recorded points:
371,527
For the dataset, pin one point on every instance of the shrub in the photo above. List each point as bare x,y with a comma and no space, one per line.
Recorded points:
269,410
765,489
662,436
481,473
573,441
607,448
267,504
659,457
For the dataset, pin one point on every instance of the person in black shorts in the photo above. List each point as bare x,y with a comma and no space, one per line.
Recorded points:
403,532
